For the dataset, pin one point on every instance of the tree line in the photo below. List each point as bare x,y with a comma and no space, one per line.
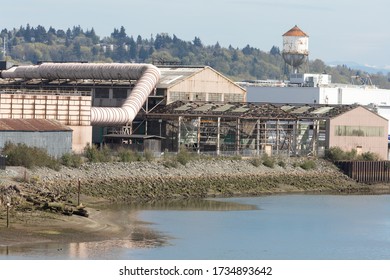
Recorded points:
28,44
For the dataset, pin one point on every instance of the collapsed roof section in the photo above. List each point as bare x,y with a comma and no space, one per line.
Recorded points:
250,110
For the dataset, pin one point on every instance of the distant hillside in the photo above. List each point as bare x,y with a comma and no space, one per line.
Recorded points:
365,68
33,44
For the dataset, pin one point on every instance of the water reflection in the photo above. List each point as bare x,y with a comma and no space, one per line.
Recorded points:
187,205
122,218
138,236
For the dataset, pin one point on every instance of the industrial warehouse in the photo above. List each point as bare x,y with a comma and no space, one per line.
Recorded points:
162,108
165,108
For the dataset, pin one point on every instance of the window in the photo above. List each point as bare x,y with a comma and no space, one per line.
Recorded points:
102,93
360,131
119,93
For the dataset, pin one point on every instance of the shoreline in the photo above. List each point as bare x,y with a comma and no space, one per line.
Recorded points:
143,182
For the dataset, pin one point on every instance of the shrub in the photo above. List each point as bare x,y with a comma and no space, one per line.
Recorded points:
255,162
281,163
93,154
308,164
71,160
334,154
169,160
29,157
183,156
172,162
350,155
148,155
126,155
268,161
369,156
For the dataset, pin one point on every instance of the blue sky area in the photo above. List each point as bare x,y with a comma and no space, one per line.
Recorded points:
339,30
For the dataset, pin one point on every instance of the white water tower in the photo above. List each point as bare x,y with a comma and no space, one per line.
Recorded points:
295,48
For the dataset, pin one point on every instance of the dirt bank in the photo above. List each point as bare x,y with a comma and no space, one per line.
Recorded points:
39,197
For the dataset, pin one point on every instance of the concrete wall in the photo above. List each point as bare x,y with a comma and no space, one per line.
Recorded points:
82,135
56,143
360,120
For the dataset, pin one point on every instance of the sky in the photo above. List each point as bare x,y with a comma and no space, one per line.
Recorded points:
339,30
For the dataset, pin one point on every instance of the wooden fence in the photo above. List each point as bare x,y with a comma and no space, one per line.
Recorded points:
366,171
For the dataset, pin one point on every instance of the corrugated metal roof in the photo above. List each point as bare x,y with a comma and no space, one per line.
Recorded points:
322,110
223,108
204,108
295,32
37,125
287,108
174,75
183,108
301,110
241,109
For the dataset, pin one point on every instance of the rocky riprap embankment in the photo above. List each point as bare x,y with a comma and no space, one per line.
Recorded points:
143,181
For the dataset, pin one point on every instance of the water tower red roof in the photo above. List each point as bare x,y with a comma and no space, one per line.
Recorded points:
296,32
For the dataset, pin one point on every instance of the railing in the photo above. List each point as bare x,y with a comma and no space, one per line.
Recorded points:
45,92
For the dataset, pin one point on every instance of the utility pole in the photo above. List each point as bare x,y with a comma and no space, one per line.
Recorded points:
8,206
4,46
78,192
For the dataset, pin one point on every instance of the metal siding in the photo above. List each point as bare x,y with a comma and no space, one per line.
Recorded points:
208,81
56,143
54,107
31,125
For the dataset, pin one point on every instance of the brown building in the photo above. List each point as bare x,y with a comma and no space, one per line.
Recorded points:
359,129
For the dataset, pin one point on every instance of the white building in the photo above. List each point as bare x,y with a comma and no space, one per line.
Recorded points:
379,99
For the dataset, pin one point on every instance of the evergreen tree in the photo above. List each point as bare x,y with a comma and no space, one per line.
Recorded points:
197,42
143,54
274,51
31,44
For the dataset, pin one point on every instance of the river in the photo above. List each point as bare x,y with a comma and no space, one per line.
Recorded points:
277,227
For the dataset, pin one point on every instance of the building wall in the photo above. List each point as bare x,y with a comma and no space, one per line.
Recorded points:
207,85
305,95
56,143
82,135
359,129
365,95
68,110
71,110
109,97
322,95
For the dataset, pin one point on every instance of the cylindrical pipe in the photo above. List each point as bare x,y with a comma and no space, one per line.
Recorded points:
147,77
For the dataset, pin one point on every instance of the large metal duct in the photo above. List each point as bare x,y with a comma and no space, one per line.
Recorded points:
147,77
